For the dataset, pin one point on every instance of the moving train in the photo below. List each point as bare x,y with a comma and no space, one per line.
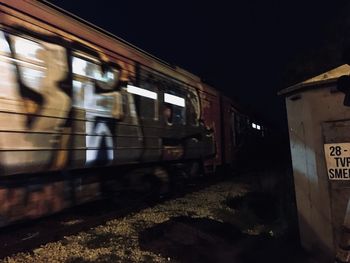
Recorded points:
75,99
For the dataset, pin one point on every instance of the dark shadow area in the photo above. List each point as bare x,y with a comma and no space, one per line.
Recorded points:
264,207
204,240
265,164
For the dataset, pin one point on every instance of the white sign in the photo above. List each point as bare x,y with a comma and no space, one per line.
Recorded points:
338,160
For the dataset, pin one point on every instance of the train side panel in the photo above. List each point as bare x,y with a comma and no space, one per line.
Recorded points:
74,98
59,108
211,115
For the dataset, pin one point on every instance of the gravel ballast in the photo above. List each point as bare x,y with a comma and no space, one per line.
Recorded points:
118,240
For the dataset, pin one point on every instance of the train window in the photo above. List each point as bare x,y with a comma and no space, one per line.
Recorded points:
132,109
30,58
85,68
28,50
142,92
78,94
256,126
104,101
174,109
147,108
175,100
84,96
146,101
89,69
4,47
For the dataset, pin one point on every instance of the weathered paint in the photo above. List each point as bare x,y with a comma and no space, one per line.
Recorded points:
211,115
64,105
317,116
73,125
34,199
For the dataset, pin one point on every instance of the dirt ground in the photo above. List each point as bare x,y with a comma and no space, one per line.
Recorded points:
226,222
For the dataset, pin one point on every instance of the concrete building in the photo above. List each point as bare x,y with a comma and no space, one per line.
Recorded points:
319,130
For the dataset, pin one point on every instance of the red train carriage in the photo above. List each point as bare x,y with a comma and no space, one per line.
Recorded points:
76,97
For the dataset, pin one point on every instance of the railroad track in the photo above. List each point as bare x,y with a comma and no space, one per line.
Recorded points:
26,236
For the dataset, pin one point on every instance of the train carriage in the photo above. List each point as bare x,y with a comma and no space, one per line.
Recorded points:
76,97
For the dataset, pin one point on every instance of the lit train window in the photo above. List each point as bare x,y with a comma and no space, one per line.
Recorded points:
30,57
78,94
174,109
84,96
4,47
108,79
86,68
146,100
175,100
92,70
28,50
142,92
88,73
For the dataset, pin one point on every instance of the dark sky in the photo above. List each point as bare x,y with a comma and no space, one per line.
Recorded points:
240,47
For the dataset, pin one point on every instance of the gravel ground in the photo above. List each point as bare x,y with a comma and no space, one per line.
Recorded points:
119,240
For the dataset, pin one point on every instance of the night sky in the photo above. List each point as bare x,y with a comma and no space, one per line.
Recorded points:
249,50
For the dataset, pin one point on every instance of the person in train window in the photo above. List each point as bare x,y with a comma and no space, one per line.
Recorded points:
168,113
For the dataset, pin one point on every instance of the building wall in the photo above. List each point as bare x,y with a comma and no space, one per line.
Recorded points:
306,113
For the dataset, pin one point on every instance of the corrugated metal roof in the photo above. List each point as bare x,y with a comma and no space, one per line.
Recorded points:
326,77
